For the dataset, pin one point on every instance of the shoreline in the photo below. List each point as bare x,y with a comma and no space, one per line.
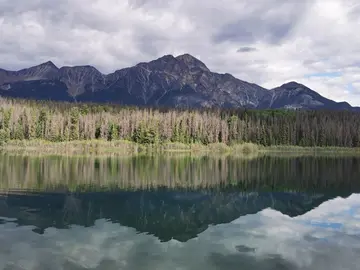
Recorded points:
129,148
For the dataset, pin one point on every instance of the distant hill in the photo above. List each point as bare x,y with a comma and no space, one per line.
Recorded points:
181,81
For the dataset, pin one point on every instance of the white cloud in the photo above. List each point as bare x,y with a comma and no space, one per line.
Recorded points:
292,38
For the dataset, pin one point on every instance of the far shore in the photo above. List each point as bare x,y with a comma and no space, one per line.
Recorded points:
128,148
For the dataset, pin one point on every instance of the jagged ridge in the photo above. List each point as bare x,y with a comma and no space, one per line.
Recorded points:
181,81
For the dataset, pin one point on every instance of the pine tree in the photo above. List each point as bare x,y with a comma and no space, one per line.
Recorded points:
74,123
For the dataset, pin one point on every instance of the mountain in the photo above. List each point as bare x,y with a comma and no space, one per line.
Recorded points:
295,95
181,81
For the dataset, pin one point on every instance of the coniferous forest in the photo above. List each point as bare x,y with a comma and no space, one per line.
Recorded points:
52,121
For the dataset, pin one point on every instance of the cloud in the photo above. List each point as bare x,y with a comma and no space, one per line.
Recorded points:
324,74
246,49
292,38
263,23
355,87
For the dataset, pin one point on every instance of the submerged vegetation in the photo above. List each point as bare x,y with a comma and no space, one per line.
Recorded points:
26,123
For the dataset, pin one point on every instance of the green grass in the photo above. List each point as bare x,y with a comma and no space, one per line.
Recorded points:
124,148
128,148
316,149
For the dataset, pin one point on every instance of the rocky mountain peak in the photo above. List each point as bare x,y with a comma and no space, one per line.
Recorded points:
192,62
292,85
48,64
43,70
83,69
164,59
175,64
161,63
80,78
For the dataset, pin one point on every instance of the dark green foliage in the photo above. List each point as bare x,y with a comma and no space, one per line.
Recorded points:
98,132
6,116
145,135
20,119
74,123
179,133
41,124
19,132
113,133
4,135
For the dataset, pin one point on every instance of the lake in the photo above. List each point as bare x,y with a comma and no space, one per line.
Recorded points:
179,212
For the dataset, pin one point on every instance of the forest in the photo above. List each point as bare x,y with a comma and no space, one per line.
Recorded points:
59,122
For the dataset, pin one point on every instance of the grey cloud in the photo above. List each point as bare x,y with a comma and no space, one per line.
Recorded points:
310,61
354,12
251,30
269,23
246,49
149,44
17,7
149,3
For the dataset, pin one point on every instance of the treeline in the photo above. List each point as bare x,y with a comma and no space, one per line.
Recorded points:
26,120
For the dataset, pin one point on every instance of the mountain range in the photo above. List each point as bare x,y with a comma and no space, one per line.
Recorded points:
181,81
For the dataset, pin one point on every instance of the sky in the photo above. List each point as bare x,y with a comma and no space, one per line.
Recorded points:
268,42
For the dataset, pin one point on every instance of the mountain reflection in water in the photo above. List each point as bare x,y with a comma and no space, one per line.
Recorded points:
164,213
326,237
267,213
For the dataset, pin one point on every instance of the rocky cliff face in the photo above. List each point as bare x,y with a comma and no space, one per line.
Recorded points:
176,81
181,81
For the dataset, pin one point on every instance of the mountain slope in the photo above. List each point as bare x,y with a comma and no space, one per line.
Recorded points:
176,81
298,96
181,81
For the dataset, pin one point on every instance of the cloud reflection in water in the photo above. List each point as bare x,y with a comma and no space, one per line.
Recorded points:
327,237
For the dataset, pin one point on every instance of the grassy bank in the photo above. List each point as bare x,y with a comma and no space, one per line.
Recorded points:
128,148
124,148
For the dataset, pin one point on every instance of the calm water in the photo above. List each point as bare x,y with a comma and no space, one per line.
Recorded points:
179,213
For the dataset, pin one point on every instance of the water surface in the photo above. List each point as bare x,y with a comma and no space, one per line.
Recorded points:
172,212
